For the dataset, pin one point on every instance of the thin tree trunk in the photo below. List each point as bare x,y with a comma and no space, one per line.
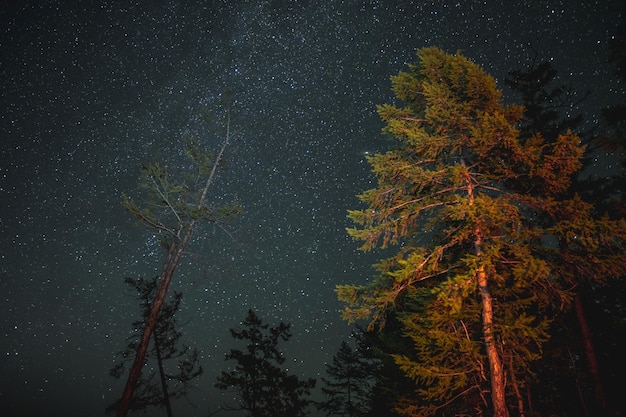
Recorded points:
166,395
590,352
515,385
174,254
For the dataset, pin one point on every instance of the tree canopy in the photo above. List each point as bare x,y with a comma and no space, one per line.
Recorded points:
483,225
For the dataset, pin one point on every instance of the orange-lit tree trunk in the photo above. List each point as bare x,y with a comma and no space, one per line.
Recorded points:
496,369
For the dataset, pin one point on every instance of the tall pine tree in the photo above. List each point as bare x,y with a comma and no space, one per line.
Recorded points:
471,282
571,365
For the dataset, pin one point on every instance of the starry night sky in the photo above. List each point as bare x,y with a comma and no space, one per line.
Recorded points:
93,89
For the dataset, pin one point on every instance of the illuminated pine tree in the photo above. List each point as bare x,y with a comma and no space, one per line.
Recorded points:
471,281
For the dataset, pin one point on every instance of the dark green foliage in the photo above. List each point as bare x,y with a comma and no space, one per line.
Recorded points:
164,381
264,388
543,102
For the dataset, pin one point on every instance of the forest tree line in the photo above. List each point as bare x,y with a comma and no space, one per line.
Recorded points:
503,295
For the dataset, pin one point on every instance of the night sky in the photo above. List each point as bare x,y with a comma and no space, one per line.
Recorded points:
90,90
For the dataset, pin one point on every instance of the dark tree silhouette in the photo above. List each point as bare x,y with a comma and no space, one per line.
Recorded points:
614,116
545,106
263,387
607,309
543,102
350,382
159,386
387,381
548,110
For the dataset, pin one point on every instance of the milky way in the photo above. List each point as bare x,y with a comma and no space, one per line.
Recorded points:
92,90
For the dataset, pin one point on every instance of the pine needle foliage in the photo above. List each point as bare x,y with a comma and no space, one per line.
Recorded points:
473,212
348,385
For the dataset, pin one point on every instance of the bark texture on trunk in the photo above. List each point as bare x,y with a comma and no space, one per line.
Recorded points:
498,395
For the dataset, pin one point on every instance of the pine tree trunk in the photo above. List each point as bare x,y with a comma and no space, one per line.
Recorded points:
166,396
498,398
498,394
590,353
171,262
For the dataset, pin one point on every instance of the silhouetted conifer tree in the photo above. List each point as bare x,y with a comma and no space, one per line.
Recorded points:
263,387
570,366
545,110
348,388
390,384
544,103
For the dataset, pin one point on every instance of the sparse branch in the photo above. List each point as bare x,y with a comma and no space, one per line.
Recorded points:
209,180
166,200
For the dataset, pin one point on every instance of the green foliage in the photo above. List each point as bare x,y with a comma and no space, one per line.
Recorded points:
174,202
463,196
